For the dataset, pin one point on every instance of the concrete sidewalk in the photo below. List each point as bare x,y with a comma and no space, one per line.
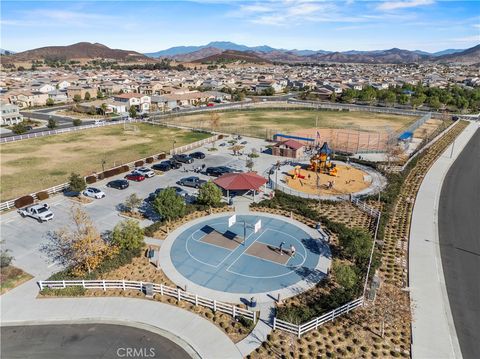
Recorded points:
433,330
204,338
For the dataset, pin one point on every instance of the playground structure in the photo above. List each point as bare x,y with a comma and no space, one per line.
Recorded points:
321,162
297,173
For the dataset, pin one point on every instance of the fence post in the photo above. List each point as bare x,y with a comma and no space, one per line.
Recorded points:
299,331
178,294
40,283
104,287
274,323
196,299
123,284
214,305
254,317
161,289
64,286
83,283
233,311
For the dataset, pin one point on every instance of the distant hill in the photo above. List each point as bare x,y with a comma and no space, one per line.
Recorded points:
6,52
232,56
469,56
81,50
196,55
221,45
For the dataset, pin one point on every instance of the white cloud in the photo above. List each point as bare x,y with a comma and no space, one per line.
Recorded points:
395,5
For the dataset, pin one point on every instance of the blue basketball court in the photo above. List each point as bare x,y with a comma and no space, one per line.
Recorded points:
220,257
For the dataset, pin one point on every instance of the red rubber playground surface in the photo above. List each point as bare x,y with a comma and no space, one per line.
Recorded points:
216,256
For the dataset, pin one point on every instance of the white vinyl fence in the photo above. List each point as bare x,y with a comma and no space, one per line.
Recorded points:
300,329
161,289
375,213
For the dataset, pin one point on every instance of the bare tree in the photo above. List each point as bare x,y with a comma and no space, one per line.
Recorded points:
391,308
81,247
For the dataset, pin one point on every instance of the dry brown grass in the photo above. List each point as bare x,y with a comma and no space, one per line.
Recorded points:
12,277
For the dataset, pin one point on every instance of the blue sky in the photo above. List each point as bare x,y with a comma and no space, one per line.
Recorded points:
148,26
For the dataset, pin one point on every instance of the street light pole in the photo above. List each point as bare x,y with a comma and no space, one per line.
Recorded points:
173,146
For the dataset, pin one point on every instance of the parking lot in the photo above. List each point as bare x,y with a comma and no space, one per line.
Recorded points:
25,236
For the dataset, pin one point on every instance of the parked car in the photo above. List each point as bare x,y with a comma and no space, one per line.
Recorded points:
28,128
151,197
243,142
210,104
144,171
180,191
118,184
194,182
162,166
218,171
41,212
198,155
135,177
93,192
183,158
222,144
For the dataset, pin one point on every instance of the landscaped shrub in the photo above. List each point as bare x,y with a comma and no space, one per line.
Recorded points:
138,163
101,176
42,195
24,201
125,168
162,156
91,179
149,160
150,230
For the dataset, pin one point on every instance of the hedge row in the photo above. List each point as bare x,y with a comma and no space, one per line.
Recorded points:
42,195
91,179
24,201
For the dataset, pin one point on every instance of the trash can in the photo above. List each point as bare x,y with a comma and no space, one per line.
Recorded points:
253,302
148,290
151,253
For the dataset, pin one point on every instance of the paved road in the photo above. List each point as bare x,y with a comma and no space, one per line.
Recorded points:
459,236
86,341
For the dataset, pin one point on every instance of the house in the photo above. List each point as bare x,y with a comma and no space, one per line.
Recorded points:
24,99
44,88
104,107
58,96
81,91
140,101
288,148
10,114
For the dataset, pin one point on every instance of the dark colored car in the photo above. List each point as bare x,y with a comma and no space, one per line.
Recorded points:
162,166
218,171
183,158
118,184
194,182
135,177
199,155
28,128
151,197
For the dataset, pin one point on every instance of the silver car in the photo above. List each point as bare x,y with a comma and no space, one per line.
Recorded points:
145,171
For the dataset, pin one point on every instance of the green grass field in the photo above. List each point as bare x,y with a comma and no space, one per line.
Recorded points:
32,165
257,122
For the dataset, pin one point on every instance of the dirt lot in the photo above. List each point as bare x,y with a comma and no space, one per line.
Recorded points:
31,165
258,122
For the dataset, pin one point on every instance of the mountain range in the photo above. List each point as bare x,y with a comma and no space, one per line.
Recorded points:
193,53
223,52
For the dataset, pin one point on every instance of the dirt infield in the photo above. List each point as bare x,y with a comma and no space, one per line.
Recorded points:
222,240
267,252
349,180
346,140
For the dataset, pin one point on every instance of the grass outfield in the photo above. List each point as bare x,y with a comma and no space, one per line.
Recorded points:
257,122
32,165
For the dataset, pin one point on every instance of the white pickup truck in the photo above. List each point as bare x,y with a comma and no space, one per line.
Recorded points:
41,212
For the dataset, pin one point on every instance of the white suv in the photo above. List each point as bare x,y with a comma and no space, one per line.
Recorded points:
93,192
144,171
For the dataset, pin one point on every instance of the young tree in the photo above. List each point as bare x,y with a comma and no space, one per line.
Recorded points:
100,94
214,120
76,122
132,203
5,258
19,128
345,275
391,308
104,108
209,194
87,96
51,123
169,205
128,235
50,102
357,244
76,183
132,112
77,98
80,247
249,164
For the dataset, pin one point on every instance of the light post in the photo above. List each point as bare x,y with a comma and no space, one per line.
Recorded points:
173,146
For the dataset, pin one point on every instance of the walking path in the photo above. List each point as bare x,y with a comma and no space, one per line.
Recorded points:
433,330
205,340
260,332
